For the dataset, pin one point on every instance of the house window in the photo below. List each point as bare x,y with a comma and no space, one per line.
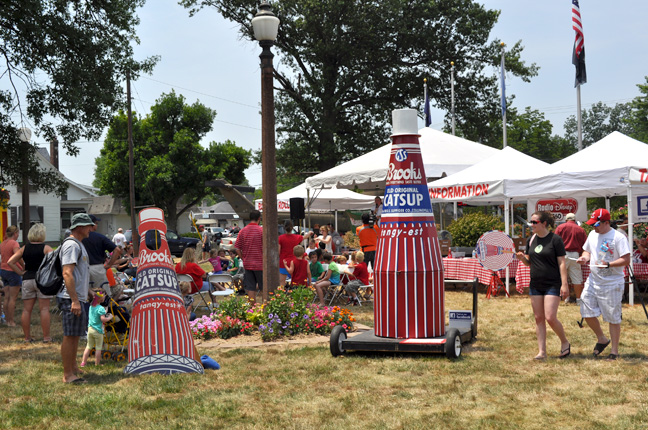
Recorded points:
35,215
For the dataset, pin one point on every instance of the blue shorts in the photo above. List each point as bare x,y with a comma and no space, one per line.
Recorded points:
284,271
553,291
10,278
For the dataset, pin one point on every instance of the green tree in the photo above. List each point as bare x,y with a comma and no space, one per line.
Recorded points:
597,122
467,230
171,166
63,64
530,133
638,118
346,64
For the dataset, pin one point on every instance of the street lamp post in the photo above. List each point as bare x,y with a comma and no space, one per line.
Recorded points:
24,134
266,26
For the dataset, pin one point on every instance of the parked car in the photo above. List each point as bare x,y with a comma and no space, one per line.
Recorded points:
228,242
177,244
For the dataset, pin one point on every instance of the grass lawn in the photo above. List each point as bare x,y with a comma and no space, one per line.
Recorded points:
496,384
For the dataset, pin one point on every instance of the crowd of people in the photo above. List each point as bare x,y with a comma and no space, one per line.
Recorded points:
555,256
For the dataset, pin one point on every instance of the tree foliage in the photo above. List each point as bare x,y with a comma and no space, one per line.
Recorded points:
638,118
467,230
171,166
597,122
63,62
530,133
346,64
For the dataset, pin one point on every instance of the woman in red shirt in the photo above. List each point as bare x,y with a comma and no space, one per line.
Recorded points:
188,266
11,280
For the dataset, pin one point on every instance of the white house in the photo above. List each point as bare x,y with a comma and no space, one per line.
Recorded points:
53,211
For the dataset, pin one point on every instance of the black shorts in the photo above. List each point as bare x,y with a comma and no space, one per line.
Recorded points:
251,278
72,325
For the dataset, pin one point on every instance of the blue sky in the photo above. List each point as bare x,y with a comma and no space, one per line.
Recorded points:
204,59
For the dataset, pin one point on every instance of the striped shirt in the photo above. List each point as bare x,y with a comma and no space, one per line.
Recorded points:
250,242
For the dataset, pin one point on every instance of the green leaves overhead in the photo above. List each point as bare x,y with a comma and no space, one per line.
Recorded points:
171,166
344,65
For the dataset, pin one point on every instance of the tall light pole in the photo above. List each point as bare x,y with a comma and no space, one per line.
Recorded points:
24,134
266,26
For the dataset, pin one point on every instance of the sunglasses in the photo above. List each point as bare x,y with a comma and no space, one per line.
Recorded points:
534,222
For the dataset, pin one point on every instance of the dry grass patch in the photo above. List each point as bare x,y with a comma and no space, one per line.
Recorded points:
495,385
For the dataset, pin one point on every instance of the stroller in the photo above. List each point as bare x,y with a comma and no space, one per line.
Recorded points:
115,332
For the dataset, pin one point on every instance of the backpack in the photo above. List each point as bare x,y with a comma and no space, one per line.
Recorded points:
49,276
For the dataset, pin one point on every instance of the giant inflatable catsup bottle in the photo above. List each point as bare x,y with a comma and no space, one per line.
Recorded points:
409,299
160,340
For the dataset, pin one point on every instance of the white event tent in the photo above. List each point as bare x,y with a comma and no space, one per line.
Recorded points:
443,154
615,165
487,182
327,200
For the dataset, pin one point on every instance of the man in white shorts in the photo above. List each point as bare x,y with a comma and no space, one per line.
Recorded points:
574,238
607,252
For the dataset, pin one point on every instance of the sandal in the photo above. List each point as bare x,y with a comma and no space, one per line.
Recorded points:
47,340
565,352
599,348
612,357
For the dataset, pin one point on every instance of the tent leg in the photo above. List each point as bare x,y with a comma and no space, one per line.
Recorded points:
631,241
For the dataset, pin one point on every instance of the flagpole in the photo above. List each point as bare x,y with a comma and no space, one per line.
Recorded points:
452,95
578,117
426,107
503,100
578,60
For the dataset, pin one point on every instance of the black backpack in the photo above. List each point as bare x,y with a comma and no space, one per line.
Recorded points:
49,276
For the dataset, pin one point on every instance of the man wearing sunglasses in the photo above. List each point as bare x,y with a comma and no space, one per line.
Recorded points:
607,252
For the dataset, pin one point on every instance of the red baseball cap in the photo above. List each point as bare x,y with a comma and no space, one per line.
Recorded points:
598,215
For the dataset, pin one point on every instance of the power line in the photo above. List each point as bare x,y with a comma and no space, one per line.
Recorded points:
201,93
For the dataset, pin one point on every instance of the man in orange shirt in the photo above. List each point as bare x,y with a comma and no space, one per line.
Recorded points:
368,235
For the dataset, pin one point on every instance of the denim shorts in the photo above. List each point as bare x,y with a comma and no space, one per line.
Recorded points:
10,279
553,291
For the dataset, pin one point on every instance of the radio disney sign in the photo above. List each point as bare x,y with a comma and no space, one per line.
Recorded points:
559,208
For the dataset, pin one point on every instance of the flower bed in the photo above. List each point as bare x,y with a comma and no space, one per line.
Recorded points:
287,313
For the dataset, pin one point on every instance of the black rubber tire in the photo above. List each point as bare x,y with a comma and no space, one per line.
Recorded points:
338,334
119,356
453,343
106,355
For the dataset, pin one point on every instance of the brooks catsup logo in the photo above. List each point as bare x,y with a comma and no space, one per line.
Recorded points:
407,174
153,257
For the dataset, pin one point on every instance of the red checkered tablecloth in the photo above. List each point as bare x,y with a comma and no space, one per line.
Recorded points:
523,276
469,268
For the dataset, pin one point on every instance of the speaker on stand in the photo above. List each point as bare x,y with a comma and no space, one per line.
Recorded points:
297,209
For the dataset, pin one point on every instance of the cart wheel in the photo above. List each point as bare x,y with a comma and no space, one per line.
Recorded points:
338,334
92,352
106,355
119,356
453,343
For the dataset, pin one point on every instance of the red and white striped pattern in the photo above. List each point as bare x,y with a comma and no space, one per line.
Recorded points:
409,299
159,325
577,25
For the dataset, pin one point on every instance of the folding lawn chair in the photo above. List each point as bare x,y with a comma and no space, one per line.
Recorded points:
225,279
187,278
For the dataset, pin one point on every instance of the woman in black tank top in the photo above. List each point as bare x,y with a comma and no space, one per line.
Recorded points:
31,255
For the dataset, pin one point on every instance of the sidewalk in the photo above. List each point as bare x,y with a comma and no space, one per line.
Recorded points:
256,342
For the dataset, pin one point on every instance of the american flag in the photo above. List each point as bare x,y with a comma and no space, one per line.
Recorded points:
578,56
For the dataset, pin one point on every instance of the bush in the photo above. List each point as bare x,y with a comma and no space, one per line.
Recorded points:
193,235
234,307
351,240
468,229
